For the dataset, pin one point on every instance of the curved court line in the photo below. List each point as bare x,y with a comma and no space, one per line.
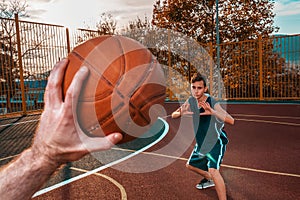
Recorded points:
266,121
45,190
266,116
116,183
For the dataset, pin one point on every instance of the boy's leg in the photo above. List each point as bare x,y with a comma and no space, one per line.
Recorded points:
198,163
215,158
203,173
219,183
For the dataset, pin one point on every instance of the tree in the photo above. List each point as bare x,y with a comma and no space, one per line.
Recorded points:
238,19
9,8
8,63
139,30
138,23
171,50
241,23
106,25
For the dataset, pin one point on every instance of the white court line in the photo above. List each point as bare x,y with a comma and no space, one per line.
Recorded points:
266,116
45,190
261,171
12,124
151,153
226,166
267,121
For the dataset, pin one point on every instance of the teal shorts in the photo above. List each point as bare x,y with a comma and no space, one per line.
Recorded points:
213,159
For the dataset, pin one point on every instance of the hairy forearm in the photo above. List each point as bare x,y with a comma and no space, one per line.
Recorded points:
23,177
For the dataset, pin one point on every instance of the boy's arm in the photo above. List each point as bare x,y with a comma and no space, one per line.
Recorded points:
217,111
221,114
183,110
176,113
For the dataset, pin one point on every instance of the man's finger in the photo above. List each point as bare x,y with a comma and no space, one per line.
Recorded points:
93,144
73,92
53,93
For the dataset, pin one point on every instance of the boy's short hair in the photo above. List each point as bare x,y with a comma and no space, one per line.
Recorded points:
198,77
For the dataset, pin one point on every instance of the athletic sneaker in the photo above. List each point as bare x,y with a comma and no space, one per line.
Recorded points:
204,183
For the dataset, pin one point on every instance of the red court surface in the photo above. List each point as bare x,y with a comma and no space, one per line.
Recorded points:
261,162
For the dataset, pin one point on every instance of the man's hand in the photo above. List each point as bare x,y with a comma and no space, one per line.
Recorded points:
58,136
58,139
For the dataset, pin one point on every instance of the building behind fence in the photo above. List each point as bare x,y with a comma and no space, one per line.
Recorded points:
263,69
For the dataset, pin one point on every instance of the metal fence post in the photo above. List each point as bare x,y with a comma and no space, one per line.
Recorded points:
169,65
68,40
20,64
260,58
211,66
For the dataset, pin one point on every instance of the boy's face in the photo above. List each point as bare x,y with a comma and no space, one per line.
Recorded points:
198,89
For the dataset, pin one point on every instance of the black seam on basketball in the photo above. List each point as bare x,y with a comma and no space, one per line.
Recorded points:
123,55
141,81
153,98
144,78
110,115
95,70
124,70
107,92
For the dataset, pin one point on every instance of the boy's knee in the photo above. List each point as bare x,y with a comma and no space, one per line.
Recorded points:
213,171
190,167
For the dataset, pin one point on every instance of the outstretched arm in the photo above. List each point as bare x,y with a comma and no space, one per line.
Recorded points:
57,140
183,110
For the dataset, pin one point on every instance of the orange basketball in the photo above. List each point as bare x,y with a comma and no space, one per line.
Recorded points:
125,89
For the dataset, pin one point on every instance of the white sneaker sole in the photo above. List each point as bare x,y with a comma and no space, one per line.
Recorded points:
207,186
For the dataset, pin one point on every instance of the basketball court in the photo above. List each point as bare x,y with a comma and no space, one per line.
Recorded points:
261,162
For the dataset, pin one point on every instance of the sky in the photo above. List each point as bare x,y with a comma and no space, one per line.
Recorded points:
79,13
83,13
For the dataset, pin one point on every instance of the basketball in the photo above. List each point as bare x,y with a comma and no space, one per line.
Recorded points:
125,89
